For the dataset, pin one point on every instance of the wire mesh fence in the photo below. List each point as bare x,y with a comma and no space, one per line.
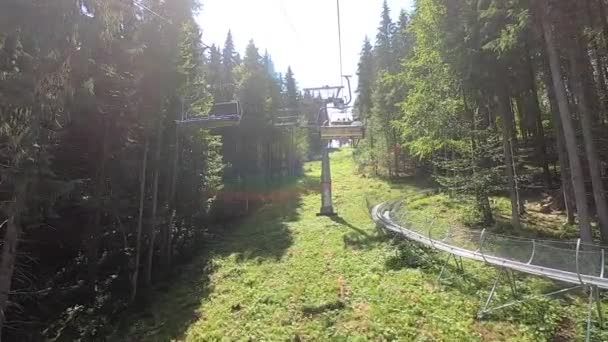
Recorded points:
571,256
578,264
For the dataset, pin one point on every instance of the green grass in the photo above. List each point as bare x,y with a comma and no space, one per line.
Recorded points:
286,274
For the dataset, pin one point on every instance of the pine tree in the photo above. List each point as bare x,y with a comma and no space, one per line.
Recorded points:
229,62
383,49
291,90
365,73
386,91
214,71
402,40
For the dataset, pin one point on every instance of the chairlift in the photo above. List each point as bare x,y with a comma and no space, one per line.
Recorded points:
345,115
286,121
347,129
343,122
289,118
327,93
342,128
222,114
339,103
354,131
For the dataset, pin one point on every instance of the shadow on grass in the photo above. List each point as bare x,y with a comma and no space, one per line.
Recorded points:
310,184
421,183
166,312
342,222
355,241
265,233
533,227
410,254
319,309
359,238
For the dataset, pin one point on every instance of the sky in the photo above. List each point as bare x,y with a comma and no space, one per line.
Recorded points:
302,34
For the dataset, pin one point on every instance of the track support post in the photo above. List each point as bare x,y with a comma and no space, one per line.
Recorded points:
457,263
504,274
509,276
594,296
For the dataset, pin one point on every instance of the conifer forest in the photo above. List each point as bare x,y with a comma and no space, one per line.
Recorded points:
120,220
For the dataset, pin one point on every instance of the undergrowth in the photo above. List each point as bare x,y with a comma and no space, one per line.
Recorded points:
286,274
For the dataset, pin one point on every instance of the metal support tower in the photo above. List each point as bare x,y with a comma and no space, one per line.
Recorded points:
327,208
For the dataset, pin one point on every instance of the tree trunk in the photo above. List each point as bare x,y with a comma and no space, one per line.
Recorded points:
396,151
92,237
587,127
372,150
481,195
9,247
260,159
569,134
562,153
153,214
523,122
539,134
140,219
604,18
599,69
604,48
483,205
502,100
511,125
520,202
389,163
171,198
292,154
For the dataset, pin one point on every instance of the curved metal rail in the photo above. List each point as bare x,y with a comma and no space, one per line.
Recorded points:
381,214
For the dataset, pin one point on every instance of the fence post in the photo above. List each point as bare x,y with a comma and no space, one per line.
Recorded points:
533,251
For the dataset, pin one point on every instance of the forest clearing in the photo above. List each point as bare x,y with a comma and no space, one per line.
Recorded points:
200,170
287,274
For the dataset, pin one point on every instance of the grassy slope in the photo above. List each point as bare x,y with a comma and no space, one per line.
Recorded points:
287,274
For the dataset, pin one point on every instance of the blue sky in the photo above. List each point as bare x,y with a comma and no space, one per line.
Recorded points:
300,33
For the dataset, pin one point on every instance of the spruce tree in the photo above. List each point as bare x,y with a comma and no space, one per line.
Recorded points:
291,90
229,62
365,74
383,49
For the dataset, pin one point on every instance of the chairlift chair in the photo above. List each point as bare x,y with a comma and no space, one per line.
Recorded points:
327,93
339,103
354,131
222,114
329,130
344,122
289,118
286,121
345,118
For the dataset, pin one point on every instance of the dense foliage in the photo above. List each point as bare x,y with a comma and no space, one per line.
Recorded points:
487,95
100,194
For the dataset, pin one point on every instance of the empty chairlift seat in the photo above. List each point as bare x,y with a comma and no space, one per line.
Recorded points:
222,114
286,121
355,130
289,117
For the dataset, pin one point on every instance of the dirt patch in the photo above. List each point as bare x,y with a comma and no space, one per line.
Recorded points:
359,321
565,331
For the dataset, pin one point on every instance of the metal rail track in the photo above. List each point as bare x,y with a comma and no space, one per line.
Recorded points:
381,214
